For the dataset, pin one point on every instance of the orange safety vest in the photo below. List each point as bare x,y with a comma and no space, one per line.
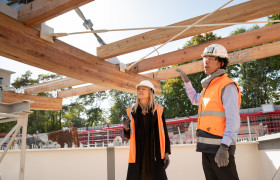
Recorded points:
132,144
211,113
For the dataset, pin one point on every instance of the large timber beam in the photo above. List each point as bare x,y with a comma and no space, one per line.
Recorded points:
39,102
81,91
239,41
52,85
39,11
232,43
241,56
239,13
22,43
237,57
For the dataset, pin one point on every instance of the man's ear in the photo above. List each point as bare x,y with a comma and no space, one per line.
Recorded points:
222,64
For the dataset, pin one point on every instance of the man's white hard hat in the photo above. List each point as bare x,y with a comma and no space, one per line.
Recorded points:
146,83
216,50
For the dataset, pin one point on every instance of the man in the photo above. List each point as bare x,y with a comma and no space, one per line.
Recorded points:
218,115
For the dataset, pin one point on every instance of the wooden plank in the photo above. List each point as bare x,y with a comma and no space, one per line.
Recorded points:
22,43
52,85
39,102
237,57
81,91
39,11
239,13
239,41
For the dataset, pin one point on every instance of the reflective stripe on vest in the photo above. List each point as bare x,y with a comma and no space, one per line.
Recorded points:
212,141
132,143
211,112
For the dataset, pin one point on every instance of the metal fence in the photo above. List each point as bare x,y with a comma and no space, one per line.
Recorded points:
182,131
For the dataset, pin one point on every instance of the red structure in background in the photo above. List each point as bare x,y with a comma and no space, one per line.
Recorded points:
182,130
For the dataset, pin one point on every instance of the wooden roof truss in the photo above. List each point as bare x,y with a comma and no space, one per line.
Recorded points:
21,42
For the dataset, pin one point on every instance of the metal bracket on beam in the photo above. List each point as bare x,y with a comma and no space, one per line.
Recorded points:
4,8
45,32
116,61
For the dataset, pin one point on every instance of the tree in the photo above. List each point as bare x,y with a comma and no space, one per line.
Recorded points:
75,113
95,115
259,79
43,121
122,101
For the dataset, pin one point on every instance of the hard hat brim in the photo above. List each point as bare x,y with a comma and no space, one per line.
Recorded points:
145,86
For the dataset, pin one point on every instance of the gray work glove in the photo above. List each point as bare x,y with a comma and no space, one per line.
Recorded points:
222,156
126,123
166,161
183,75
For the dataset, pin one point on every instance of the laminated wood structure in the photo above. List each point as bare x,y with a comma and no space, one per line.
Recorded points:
21,42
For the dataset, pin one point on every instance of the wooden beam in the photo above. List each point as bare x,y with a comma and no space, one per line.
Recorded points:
239,41
81,91
239,13
39,11
22,43
237,57
39,102
52,85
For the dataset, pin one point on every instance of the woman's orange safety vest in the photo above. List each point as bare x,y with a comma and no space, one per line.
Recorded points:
211,113
132,143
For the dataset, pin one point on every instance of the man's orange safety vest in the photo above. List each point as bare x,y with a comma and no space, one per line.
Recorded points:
132,143
211,113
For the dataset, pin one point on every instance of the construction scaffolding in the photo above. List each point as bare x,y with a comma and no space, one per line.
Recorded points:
15,112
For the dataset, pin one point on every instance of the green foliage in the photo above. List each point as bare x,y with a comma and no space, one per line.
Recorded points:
201,38
273,17
258,79
6,127
95,117
93,99
75,113
122,101
25,80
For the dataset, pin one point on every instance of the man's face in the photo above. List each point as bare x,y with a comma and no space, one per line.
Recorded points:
211,64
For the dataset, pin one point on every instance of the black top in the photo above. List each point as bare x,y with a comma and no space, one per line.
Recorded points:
146,173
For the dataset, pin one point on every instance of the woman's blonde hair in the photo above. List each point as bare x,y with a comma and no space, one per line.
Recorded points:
151,103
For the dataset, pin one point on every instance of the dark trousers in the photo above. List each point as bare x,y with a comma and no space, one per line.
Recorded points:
213,172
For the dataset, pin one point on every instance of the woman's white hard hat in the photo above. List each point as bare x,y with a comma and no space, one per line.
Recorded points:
146,83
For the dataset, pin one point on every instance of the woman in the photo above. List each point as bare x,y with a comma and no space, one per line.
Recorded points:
149,144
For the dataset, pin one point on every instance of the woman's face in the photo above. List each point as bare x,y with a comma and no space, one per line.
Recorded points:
143,92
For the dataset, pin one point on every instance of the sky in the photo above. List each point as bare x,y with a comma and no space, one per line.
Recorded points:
119,14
